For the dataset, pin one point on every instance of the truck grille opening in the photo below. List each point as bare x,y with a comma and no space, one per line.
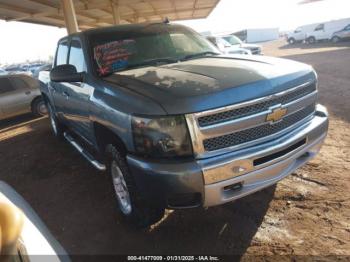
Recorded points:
268,158
255,133
255,108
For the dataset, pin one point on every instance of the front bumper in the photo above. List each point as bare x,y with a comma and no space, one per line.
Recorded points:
227,177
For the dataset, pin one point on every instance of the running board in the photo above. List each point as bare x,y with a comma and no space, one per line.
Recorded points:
84,153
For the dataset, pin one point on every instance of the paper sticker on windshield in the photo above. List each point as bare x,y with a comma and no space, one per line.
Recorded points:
113,56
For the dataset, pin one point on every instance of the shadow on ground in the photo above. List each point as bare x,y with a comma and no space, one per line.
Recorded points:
316,45
15,120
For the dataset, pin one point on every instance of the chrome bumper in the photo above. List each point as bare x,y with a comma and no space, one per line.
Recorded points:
240,173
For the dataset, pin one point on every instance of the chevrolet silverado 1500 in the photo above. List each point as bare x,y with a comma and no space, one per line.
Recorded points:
177,124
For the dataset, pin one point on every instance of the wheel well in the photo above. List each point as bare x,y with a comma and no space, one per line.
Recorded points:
36,99
45,98
105,136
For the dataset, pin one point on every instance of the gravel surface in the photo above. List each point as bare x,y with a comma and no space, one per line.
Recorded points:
307,213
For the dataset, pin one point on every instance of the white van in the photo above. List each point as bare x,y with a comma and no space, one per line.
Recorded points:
324,31
299,34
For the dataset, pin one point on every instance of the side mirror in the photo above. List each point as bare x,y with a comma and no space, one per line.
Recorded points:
66,73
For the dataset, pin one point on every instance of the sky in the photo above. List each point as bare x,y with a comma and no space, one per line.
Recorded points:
22,41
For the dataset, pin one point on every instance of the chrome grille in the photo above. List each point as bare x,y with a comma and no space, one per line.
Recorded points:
255,133
255,51
255,108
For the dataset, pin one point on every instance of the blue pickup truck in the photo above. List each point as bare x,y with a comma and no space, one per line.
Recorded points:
175,123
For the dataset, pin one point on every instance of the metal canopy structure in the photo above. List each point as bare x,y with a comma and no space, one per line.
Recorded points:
84,14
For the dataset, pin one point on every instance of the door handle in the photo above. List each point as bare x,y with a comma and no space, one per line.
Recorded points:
65,94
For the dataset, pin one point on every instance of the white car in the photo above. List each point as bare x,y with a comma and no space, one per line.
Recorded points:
236,42
226,48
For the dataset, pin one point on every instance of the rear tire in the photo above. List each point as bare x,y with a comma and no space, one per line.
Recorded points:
56,126
311,40
335,39
132,206
39,108
291,41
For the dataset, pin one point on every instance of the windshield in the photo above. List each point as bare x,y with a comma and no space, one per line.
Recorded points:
154,44
233,40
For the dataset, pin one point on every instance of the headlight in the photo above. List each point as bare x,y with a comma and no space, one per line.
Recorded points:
161,136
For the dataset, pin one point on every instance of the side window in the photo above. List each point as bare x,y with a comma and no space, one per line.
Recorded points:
347,28
76,56
18,83
5,85
319,27
62,53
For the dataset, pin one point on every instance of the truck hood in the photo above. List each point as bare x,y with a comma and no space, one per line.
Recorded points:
211,82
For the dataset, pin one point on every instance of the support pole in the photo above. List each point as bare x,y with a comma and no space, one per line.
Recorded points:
115,12
70,16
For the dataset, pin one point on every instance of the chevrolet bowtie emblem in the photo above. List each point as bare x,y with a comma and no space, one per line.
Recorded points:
276,114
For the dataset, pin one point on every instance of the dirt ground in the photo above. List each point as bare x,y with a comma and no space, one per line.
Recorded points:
307,213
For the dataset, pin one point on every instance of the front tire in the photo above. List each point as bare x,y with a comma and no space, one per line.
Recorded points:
56,126
132,206
39,108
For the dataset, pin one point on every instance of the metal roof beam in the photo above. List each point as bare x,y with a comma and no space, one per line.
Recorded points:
70,16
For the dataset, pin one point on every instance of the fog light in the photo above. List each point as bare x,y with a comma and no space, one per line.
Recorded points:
233,187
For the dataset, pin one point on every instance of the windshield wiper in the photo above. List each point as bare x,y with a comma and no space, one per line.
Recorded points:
199,55
156,61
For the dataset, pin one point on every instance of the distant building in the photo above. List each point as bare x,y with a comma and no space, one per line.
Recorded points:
258,35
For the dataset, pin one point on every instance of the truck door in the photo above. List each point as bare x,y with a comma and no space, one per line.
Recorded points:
76,106
56,89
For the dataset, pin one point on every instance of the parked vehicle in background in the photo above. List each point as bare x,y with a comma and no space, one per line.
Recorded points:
20,94
46,67
257,35
226,48
325,31
175,123
236,42
299,34
343,34
3,72
15,70
24,236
